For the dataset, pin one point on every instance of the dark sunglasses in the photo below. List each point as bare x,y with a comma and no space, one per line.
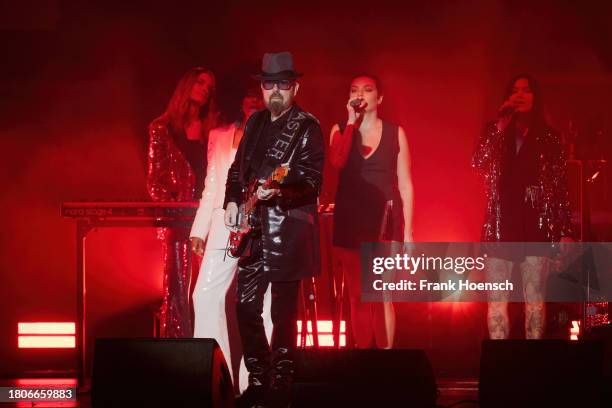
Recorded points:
284,84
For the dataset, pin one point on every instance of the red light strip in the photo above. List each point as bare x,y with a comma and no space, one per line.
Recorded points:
575,330
323,326
325,340
325,331
46,342
46,328
46,335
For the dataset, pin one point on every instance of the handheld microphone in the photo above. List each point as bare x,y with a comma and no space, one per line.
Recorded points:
507,111
355,103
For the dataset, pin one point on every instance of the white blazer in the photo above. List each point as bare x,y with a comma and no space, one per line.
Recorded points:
208,221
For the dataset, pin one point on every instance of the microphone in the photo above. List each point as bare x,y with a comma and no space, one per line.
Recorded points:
507,111
355,103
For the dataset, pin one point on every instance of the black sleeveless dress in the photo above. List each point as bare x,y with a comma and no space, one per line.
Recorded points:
195,153
368,203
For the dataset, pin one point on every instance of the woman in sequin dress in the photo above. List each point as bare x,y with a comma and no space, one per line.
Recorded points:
176,162
524,168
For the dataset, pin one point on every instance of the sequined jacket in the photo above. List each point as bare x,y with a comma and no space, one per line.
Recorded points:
549,196
169,175
290,230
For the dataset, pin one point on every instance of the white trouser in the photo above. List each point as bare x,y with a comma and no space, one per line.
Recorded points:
214,279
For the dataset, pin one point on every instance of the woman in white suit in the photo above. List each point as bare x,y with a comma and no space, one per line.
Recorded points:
209,238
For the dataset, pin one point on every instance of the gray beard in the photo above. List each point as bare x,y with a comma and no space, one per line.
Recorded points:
276,106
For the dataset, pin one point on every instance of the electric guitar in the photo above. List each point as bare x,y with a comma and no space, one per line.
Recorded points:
239,237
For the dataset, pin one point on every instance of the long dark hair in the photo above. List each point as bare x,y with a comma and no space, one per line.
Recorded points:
537,117
177,112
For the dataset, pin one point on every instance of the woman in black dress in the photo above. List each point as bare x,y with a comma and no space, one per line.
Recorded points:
373,201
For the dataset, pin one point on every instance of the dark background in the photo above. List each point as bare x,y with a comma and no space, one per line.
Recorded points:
80,82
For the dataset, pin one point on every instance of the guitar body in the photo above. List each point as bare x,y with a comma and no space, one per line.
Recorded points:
238,242
241,236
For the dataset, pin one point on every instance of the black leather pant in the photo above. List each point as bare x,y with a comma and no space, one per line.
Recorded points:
265,363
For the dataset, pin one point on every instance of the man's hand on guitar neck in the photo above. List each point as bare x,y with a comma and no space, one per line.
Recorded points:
264,194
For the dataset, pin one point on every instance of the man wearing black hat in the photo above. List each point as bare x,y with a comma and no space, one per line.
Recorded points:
284,247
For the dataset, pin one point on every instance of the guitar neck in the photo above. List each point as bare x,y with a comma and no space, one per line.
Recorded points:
253,200
251,203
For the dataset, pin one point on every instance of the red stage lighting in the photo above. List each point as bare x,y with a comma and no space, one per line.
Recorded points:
575,330
325,330
46,335
46,328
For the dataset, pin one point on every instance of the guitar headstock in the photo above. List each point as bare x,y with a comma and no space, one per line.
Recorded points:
279,173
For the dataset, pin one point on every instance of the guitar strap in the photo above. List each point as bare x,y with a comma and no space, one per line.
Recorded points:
283,147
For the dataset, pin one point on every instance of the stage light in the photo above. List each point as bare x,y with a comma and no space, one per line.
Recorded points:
46,342
575,330
51,382
46,328
325,330
46,335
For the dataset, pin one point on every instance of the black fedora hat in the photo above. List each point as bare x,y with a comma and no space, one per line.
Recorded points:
277,66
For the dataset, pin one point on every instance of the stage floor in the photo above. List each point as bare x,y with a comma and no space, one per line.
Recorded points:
451,391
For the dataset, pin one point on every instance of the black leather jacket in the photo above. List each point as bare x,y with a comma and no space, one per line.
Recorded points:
290,230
